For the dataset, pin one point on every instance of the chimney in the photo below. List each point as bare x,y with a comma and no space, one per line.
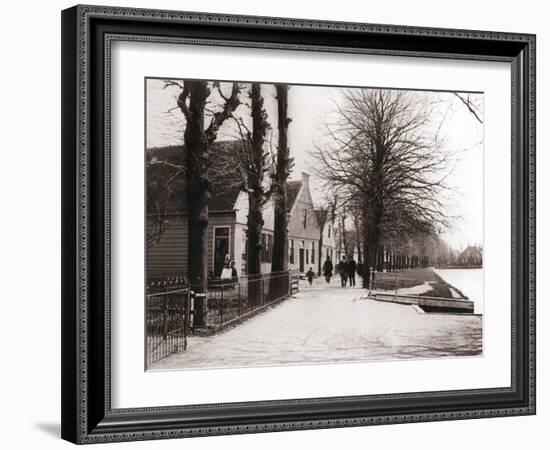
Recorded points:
305,179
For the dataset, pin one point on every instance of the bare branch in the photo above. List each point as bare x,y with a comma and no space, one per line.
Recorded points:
466,101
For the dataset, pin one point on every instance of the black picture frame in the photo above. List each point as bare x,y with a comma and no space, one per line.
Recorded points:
87,416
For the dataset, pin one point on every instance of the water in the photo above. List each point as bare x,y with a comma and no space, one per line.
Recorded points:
468,281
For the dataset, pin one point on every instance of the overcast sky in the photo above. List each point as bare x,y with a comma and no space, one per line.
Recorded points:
310,107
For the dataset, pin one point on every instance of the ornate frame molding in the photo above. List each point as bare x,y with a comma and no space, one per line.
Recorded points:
80,423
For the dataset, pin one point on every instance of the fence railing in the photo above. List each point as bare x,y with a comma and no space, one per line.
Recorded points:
166,284
167,323
172,308
231,300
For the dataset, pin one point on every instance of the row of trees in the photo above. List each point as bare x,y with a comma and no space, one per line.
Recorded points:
387,170
382,160
253,162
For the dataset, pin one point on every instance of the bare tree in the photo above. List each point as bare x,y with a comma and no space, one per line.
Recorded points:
164,186
472,103
253,162
342,226
283,166
258,165
382,159
357,231
198,138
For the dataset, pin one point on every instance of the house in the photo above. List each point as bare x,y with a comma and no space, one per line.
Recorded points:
303,228
227,222
166,253
471,256
240,241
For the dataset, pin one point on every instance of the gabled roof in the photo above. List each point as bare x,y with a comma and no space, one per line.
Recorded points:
293,189
225,183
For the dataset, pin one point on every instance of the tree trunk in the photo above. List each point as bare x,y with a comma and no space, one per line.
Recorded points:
197,185
197,140
343,232
371,251
280,235
320,256
253,263
255,196
381,259
359,252
367,263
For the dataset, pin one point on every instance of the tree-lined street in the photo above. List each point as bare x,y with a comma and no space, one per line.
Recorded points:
252,194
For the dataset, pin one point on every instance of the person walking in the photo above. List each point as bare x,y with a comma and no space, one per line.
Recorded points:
327,269
352,267
343,270
310,274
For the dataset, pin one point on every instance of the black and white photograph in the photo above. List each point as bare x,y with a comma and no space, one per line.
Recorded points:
311,224
275,225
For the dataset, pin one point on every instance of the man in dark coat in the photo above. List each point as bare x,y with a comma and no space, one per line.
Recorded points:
327,269
352,267
343,270
309,275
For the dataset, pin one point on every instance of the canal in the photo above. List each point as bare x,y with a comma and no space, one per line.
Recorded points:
468,281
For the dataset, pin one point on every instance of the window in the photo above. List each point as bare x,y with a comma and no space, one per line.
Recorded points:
313,252
245,245
329,230
291,251
304,218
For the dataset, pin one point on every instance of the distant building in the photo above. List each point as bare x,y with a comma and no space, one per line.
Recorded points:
227,225
471,256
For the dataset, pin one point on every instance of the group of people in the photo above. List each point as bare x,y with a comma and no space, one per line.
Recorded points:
347,269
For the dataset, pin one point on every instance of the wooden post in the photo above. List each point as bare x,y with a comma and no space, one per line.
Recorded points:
371,278
396,284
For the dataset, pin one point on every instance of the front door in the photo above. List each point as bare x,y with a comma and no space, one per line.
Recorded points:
221,249
302,260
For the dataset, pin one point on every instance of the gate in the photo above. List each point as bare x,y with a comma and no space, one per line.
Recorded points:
167,323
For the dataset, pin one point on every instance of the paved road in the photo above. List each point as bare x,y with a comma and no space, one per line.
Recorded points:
330,324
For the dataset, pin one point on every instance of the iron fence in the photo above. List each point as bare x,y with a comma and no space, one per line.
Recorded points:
231,300
166,284
167,323
171,307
